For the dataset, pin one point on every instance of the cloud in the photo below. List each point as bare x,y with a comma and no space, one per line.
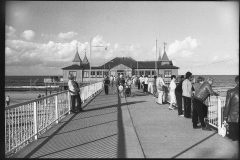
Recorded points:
28,34
183,48
24,53
52,53
10,31
67,36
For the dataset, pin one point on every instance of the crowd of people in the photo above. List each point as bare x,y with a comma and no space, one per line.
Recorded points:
187,96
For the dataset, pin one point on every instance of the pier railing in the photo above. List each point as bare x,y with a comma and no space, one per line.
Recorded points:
24,122
215,111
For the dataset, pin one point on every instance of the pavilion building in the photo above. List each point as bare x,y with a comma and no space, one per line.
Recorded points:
119,65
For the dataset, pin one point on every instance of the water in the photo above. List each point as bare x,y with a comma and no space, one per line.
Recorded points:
219,80
25,80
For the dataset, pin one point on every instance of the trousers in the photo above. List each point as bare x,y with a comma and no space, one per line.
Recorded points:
198,112
73,108
187,106
179,102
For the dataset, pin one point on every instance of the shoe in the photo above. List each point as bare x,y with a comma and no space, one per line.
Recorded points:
170,108
206,129
181,115
197,127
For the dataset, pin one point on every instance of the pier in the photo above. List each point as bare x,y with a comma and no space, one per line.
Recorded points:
132,127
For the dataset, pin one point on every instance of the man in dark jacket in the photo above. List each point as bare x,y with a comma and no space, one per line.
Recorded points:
231,111
199,97
78,98
106,83
178,93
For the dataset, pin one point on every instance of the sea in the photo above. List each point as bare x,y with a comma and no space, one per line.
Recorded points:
13,86
25,80
219,80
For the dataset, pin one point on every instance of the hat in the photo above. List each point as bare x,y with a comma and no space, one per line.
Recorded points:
71,77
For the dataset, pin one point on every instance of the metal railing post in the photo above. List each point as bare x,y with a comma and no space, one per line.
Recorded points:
56,108
35,120
69,103
219,116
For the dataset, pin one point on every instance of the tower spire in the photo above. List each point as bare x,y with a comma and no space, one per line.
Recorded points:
164,45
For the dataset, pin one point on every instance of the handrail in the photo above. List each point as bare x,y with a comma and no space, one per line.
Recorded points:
25,121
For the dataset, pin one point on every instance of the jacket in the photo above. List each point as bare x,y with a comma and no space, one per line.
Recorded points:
72,87
179,87
203,92
231,110
187,88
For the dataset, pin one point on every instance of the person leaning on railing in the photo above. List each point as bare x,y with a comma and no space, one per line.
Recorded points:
72,88
199,97
231,111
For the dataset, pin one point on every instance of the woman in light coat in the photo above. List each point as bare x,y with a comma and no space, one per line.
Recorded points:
172,88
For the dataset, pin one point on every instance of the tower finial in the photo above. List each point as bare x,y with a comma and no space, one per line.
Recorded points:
164,45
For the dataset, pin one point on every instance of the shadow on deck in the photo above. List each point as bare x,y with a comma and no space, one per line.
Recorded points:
113,127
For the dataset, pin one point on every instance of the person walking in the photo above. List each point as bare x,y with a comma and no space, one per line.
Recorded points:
187,94
199,97
231,111
142,82
138,82
154,85
178,93
160,89
78,98
106,83
72,88
8,100
146,84
172,87
111,80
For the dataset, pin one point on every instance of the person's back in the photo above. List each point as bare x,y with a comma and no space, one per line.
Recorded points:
232,104
203,91
106,81
111,78
179,87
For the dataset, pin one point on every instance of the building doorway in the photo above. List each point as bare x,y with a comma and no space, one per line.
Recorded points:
118,73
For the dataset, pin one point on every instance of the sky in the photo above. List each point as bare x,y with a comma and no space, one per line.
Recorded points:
42,37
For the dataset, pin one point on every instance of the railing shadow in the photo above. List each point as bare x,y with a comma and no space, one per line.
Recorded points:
114,138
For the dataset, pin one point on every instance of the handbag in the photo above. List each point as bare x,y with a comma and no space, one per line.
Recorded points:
224,129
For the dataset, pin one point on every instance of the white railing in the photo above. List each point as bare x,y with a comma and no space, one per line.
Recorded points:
24,122
215,111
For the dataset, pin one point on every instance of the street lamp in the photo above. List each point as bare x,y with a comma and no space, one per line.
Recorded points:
91,57
109,66
156,60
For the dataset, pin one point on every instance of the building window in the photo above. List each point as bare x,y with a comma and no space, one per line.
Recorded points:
141,73
147,73
74,73
86,74
153,73
167,74
93,74
129,73
105,73
99,74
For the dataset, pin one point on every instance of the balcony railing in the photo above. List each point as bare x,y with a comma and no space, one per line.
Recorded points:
24,122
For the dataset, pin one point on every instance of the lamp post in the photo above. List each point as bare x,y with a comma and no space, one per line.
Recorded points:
137,69
109,66
156,60
91,57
